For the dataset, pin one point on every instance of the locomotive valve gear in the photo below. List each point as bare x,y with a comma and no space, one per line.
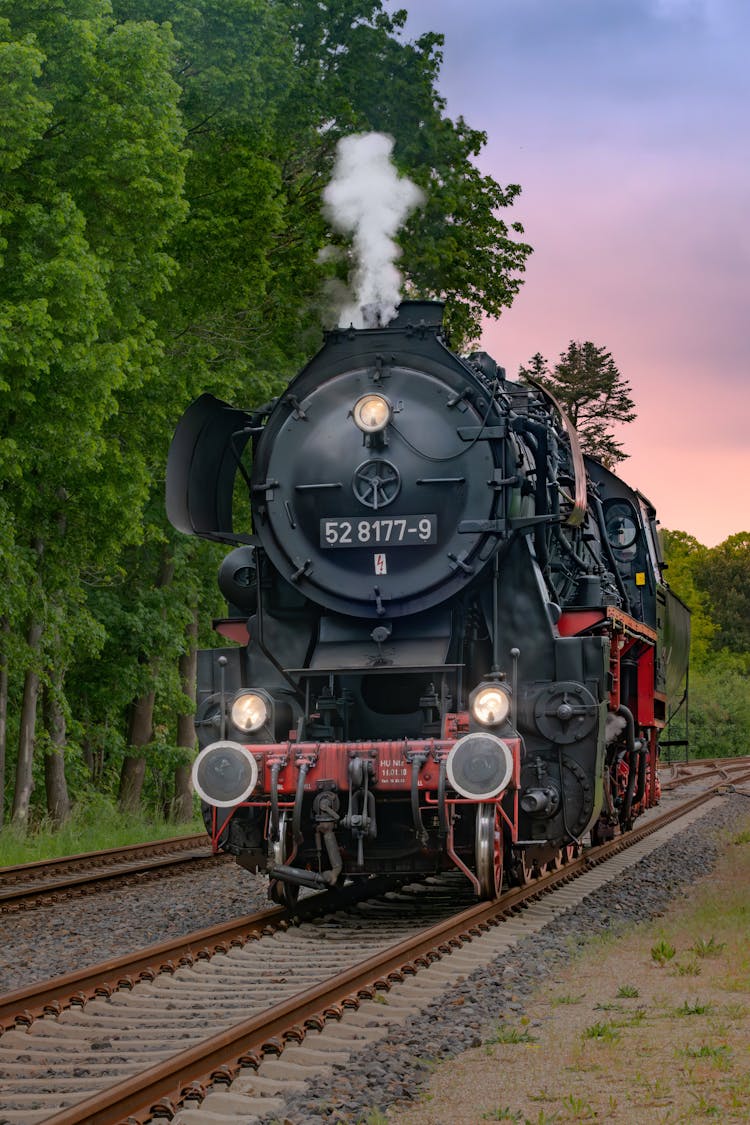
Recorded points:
326,807
224,774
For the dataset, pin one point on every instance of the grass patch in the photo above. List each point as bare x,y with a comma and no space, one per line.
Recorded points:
737,984
566,998
544,1095
708,947
705,1108
662,952
686,969
578,1109
657,1091
90,828
604,1032
627,992
720,1055
695,1009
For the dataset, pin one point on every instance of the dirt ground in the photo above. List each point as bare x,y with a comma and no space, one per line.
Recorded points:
653,1027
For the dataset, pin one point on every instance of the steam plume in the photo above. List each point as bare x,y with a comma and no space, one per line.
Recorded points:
368,200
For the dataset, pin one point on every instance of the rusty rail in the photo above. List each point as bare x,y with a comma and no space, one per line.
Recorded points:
161,1088
48,880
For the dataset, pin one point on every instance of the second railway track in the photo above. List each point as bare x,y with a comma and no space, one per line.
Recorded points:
26,885
163,1042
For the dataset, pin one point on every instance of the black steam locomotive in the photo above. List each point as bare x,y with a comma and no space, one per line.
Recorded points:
451,644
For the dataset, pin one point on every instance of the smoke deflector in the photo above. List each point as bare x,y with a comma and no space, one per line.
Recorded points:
203,461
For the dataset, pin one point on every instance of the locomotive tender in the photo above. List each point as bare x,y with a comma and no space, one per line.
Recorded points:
451,642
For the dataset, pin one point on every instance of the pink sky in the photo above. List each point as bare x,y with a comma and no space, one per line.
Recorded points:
626,124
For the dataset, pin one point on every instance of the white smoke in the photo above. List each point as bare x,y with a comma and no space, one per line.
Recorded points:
368,200
614,725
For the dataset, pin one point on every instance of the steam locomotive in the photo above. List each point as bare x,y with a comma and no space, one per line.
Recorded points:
450,644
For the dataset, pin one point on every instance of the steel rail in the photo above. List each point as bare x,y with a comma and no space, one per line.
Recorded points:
160,1088
22,1006
105,856
23,897
131,862
700,769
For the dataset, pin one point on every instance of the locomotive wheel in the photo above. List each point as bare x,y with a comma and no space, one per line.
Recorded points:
488,850
285,894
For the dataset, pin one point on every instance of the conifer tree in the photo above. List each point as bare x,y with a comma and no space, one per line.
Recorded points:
596,397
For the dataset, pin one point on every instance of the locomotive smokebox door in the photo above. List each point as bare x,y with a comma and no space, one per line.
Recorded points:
376,523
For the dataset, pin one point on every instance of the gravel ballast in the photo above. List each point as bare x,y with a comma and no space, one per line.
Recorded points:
49,941
57,939
397,1069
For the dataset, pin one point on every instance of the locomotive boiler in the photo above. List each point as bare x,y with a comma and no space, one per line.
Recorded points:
449,639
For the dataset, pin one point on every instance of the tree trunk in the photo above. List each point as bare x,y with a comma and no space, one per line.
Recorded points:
88,757
4,626
27,735
141,725
140,733
58,802
182,806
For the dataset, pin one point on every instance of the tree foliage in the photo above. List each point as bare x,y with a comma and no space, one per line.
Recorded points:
686,557
724,578
589,386
93,184
715,583
162,166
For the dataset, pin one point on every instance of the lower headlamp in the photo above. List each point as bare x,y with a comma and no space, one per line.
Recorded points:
480,766
224,774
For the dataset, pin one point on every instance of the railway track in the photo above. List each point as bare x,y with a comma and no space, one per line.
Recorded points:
679,774
26,885
178,1023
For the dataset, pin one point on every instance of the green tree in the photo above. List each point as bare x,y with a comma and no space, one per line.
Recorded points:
723,576
92,184
685,557
160,228
266,92
589,386
714,583
356,74
720,707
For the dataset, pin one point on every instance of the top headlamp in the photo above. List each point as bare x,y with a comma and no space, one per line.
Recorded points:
371,413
